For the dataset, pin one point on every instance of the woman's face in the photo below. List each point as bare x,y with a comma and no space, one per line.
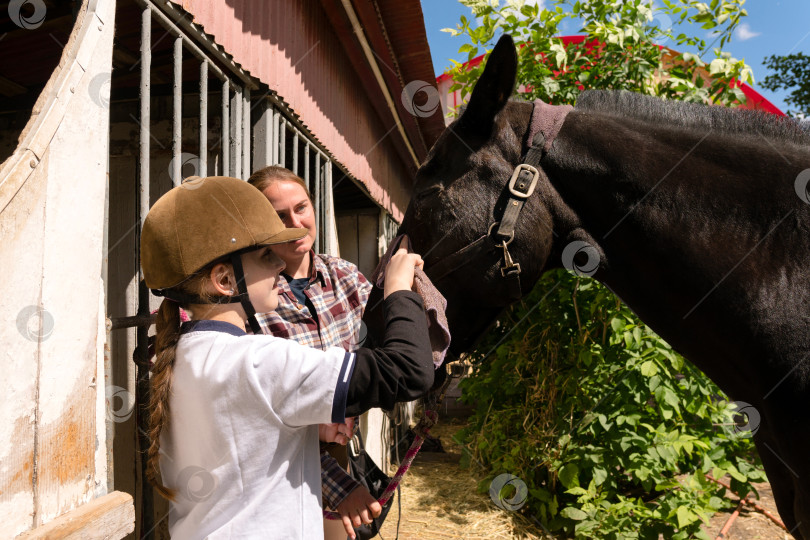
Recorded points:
292,205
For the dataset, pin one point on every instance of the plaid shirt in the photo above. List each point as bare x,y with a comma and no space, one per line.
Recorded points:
338,292
336,484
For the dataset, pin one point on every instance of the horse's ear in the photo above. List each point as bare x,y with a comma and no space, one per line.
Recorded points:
493,88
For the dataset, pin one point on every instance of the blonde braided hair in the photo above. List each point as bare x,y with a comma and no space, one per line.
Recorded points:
167,335
160,386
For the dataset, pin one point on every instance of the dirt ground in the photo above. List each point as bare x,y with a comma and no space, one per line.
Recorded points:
751,525
440,501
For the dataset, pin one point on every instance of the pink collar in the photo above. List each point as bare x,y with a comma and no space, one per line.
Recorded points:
547,121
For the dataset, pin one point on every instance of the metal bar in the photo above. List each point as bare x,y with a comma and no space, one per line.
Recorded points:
177,109
282,150
267,131
276,117
180,21
324,204
307,166
262,137
295,124
203,169
141,355
174,30
116,323
271,134
226,126
236,140
145,93
317,195
295,151
329,218
141,347
246,134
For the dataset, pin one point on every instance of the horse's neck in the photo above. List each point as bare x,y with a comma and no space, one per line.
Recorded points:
681,221
672,192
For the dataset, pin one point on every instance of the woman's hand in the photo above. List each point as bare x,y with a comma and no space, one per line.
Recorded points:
399,272
336,433
357,508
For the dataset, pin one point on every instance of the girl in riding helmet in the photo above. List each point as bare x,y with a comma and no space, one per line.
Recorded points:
320,304
234,417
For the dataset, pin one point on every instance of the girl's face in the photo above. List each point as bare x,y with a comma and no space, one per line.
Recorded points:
293,206
262,267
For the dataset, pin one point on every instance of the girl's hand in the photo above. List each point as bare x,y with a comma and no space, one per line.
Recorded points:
336,433
357,508
399,272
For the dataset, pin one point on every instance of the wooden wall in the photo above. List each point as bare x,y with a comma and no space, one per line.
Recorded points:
53,452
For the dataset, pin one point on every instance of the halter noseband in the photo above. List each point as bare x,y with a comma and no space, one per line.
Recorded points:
546,122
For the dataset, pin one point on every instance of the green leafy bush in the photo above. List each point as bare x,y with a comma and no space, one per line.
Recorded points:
622,48
613,432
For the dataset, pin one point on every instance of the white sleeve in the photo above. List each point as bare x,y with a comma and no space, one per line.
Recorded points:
303,385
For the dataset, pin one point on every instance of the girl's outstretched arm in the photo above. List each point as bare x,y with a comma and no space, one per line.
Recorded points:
401,369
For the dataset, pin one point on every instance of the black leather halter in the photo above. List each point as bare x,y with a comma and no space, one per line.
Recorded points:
520,187
544,125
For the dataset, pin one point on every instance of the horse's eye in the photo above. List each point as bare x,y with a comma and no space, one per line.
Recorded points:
432,190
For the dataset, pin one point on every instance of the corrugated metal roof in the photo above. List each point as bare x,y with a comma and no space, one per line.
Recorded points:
405,26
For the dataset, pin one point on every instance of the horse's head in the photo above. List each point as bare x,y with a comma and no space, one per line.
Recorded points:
461,191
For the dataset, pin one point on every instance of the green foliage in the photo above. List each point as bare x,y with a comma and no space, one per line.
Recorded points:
792,72
620,50
613,432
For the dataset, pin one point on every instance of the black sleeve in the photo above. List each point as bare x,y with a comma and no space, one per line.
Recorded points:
399,370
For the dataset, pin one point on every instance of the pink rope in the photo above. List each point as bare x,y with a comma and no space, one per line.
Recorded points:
421,431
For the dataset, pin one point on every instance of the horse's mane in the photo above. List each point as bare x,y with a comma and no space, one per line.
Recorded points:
694,115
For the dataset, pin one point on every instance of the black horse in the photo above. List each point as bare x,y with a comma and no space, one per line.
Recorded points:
696,216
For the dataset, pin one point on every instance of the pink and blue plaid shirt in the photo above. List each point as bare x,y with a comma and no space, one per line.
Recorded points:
337,292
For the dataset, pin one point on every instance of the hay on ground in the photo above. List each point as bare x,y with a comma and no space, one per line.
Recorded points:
441,500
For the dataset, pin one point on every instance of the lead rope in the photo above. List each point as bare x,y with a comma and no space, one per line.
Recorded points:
421,432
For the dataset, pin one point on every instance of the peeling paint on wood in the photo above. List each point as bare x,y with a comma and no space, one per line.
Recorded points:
52,200
109,517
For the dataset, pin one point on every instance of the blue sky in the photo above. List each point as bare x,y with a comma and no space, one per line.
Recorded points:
772,27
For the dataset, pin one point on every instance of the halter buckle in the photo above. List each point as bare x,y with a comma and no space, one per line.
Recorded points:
525,192
507,241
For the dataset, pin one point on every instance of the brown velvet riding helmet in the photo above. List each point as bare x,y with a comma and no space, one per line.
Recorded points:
202,220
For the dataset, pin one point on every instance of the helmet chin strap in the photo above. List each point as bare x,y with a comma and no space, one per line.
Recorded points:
241,296
244,299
